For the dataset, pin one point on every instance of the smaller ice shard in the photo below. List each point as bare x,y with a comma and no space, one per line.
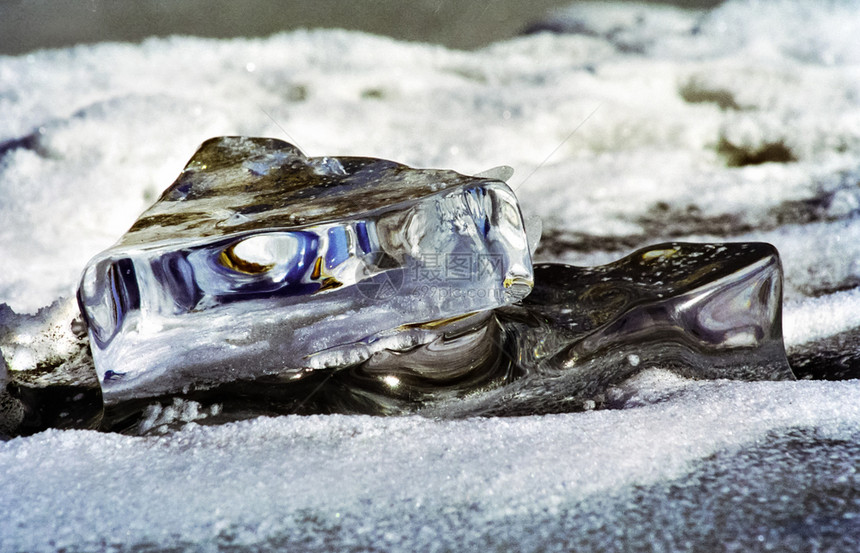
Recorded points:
259,260
708,310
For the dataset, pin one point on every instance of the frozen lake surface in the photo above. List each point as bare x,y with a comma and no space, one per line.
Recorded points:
629,125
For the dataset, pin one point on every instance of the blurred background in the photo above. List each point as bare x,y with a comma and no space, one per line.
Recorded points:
27,25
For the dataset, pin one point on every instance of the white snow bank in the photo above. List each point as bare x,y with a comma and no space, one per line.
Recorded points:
393,479
815,318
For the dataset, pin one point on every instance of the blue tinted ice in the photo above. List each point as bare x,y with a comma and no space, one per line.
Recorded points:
259,261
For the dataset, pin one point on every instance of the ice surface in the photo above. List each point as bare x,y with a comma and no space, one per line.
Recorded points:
684,466
260,261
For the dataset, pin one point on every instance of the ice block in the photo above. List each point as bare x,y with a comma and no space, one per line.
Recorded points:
260,261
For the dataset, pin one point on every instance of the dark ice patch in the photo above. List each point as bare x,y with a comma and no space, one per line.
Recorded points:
825,289
663,219
741,156
30,142
660,222
836,357
555,242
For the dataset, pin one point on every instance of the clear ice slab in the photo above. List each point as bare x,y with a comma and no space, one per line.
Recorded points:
260,261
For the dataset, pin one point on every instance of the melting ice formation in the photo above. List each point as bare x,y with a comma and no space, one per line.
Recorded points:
259,260
362,285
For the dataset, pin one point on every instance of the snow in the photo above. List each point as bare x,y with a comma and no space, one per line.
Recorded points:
815,318
355,483
641,127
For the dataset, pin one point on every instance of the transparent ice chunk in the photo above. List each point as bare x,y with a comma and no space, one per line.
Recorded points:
706,310
259,260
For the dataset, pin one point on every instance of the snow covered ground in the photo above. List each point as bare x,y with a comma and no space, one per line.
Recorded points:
639,124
